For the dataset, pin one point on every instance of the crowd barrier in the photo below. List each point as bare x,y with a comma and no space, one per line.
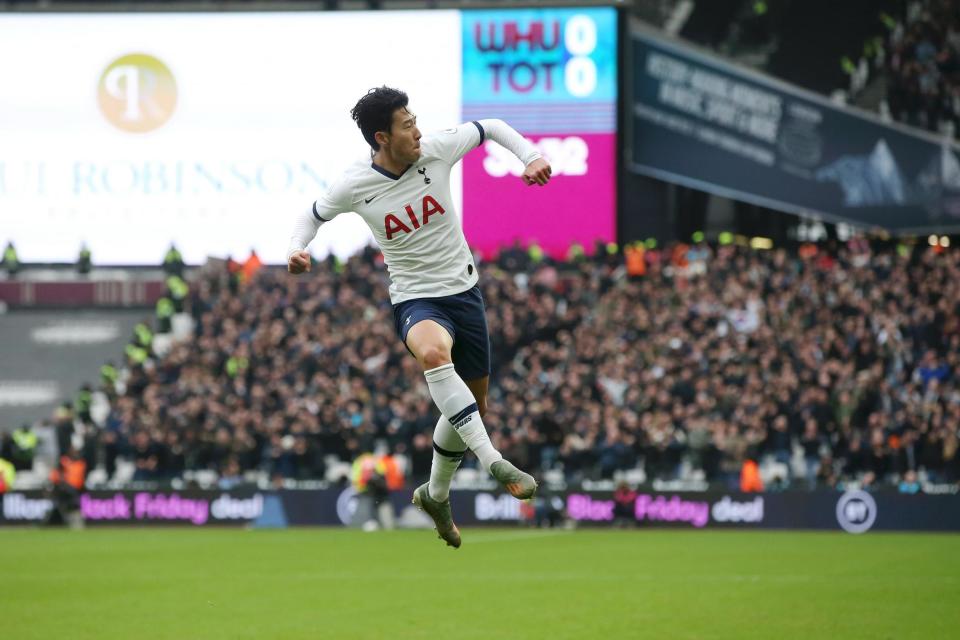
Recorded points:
853,511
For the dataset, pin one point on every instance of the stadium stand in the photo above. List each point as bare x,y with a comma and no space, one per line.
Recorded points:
922,66
826,364
901,58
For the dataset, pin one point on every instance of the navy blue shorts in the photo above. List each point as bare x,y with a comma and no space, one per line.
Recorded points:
464,317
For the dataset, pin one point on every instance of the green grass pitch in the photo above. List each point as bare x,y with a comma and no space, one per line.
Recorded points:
509,584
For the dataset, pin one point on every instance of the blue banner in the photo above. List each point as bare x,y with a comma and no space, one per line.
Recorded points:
707,124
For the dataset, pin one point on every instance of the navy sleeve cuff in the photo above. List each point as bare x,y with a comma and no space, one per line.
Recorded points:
483,135
317,215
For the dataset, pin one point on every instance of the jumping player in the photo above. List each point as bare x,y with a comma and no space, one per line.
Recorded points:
403,195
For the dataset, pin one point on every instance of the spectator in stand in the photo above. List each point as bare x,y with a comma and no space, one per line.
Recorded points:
145,457
173,262
19,447
11,262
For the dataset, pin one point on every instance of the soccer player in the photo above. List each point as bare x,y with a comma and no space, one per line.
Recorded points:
403,195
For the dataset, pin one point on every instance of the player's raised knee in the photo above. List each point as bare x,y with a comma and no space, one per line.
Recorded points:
433,357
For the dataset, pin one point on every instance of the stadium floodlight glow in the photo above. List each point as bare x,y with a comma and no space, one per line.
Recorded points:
932,240
944,241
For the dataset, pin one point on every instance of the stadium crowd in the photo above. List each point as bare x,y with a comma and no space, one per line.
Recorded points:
840,363
922,66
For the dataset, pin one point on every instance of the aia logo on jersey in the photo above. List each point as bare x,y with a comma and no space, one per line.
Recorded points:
392,225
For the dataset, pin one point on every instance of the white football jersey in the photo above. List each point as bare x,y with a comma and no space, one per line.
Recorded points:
412,216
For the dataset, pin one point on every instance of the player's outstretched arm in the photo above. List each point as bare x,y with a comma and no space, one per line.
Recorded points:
331,204
537,170
304,230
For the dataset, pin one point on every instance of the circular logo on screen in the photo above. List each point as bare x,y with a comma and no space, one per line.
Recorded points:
856,511
137,93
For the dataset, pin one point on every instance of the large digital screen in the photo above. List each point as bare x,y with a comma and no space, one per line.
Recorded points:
552,75
129,132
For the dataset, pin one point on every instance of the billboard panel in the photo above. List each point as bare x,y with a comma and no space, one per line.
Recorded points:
127,131
853,511
702,122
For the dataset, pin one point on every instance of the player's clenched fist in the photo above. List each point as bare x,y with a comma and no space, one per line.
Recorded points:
537,172
298,262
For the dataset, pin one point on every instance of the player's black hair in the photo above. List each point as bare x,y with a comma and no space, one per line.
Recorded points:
374,112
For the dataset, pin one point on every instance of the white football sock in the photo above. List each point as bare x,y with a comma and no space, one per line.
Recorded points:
452,396
448,450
